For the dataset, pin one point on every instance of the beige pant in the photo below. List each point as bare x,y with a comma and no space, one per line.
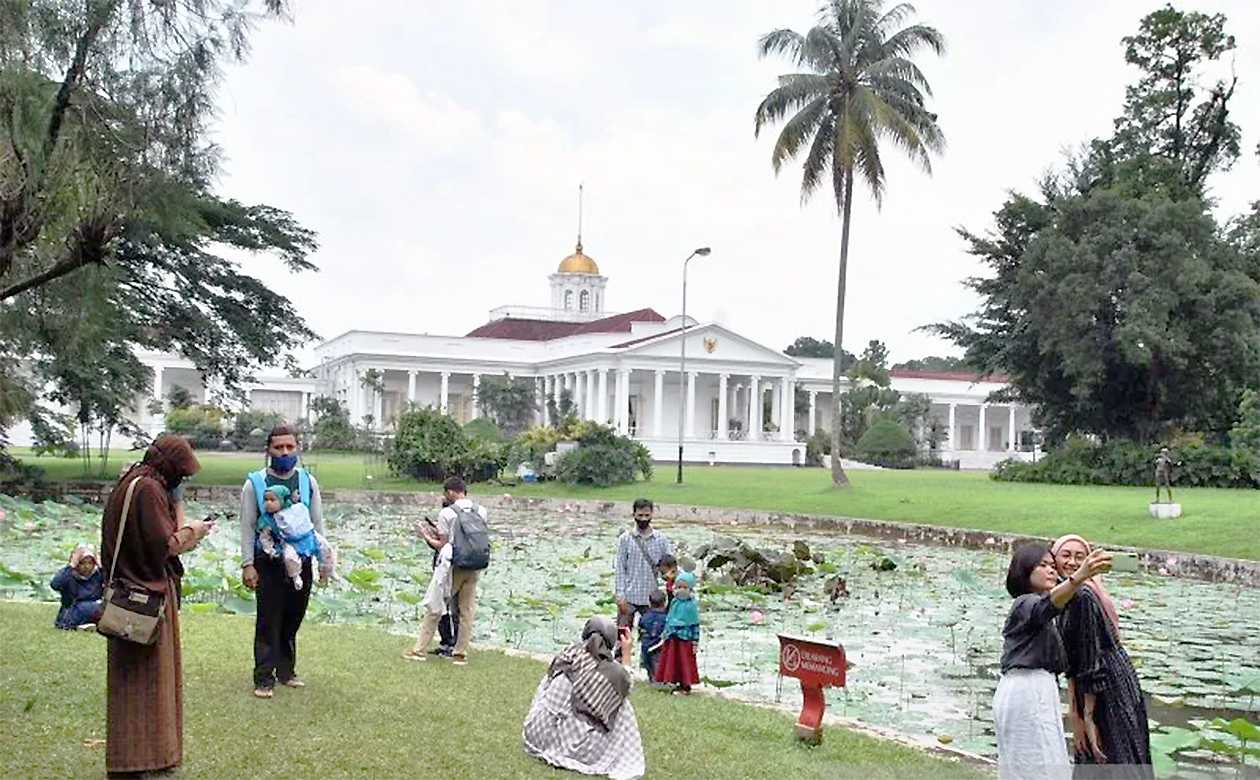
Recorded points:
464,594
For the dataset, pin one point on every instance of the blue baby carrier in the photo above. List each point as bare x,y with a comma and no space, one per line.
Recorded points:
306,544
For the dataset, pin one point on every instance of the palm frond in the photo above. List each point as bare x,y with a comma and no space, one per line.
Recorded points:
797,132
818,161
784,42
797,91
823,50
901,69
908,40
893,17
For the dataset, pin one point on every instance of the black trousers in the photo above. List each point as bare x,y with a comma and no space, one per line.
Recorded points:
280,609
448,627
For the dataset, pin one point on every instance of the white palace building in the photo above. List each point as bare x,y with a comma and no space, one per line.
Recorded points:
735,398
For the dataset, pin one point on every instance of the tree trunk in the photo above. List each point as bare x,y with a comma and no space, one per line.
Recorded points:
838,477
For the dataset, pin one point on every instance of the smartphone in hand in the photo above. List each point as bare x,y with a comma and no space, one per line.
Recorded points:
1124,562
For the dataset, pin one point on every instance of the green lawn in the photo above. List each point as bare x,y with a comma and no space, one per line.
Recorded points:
368,713
1217,522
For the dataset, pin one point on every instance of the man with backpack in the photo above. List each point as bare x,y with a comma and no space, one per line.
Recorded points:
639,553
464,525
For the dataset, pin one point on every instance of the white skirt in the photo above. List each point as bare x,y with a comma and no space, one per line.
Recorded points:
1028,719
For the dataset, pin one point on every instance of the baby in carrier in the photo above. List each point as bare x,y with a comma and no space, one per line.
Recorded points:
286,532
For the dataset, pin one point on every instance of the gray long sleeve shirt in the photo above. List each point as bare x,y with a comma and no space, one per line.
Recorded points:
249,518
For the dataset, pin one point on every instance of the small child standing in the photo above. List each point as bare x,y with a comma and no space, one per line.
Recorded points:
286,531
677,662
651,629
667,568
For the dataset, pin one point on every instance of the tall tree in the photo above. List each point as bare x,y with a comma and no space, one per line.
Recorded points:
810,347
935,363
858,87
1170,120
509,402
106,206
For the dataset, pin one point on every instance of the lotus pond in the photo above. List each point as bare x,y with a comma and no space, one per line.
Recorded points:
923,638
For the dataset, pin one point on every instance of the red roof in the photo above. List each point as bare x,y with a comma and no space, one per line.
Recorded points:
649,337
519,329
958,376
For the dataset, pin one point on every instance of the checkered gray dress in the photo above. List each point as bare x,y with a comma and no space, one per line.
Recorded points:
556,734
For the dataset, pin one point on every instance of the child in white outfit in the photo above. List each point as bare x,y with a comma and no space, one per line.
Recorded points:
286,532
436,603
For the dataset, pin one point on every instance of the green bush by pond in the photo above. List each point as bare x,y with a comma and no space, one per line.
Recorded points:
431,446
604,458
886,443
1083,462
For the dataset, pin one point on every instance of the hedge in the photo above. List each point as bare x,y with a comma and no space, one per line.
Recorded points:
1118,462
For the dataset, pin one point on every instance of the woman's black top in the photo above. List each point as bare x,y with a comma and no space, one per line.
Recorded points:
1031,638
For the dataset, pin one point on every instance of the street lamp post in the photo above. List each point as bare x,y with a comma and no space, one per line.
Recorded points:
682,370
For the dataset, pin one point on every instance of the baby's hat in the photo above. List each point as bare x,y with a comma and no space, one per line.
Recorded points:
281,492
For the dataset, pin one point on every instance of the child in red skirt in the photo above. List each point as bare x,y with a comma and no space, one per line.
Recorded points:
676,663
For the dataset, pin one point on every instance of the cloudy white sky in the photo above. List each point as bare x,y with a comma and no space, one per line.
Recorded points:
437,149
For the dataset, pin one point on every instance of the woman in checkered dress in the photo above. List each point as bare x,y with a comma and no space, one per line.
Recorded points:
581,718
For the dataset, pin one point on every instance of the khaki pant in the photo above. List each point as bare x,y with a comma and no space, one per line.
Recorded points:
464,594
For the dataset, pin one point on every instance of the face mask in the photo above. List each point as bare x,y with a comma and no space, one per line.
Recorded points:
642,524
283,464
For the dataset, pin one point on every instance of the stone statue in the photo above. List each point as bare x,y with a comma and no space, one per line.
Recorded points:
1163,473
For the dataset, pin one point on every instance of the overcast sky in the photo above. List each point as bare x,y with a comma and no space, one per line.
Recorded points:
437,149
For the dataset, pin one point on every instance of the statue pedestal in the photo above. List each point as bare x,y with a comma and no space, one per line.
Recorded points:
1161,511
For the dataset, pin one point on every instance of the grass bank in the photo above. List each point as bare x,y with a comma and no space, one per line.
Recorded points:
1216,521
368,713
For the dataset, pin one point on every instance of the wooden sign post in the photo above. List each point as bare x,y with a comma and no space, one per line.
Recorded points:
817,665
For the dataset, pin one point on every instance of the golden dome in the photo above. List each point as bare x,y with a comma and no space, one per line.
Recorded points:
578,263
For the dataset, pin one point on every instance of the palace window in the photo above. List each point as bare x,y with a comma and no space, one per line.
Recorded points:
568,300
584,301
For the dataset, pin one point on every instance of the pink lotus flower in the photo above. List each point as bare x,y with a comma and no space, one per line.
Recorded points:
1126,603
756,617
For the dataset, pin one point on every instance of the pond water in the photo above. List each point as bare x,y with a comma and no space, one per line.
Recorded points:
923,639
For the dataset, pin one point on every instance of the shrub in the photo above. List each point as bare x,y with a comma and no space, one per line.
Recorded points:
431,446
886,443
250,428
603,457
1080,461
483,429
201,425
332,429
816,447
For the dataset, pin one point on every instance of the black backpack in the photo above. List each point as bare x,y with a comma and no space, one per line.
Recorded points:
470,539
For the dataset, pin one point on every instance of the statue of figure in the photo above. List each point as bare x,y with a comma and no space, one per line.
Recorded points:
1163,473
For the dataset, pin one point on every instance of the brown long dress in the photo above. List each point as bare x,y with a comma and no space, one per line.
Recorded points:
144,718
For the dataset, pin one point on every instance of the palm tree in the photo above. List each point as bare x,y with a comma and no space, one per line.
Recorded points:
860,88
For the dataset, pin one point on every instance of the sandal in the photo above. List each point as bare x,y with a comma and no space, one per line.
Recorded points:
412,655
264,693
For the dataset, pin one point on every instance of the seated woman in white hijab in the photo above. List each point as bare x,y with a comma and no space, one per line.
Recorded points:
580,718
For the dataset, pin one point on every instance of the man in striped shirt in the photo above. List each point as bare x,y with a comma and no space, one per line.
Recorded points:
639,551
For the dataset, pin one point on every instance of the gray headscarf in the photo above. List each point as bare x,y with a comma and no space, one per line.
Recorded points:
600,684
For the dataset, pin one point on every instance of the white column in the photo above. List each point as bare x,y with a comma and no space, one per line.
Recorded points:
306,405
592,412
540,396
157,383
776,407
379,408
658,402
984,429
446,386
621,398
557,385
603,396
787,412
691,404
411,387
579,394
1010,432
953,437
754,407
813,412
476,402
356,395
722,427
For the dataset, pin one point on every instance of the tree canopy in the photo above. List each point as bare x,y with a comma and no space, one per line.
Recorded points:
1116,302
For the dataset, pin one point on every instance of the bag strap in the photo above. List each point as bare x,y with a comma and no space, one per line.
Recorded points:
643,549
122,526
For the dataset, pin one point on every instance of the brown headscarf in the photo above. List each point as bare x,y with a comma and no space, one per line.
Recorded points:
600,684
149,555
1093,583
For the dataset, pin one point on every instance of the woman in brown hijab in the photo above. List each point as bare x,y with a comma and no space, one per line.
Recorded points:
144,683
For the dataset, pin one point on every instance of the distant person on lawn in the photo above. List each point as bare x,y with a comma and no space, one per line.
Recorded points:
581,718
280,606
81,585
639,554
464,526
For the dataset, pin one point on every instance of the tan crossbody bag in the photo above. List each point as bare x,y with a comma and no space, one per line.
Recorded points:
131,612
